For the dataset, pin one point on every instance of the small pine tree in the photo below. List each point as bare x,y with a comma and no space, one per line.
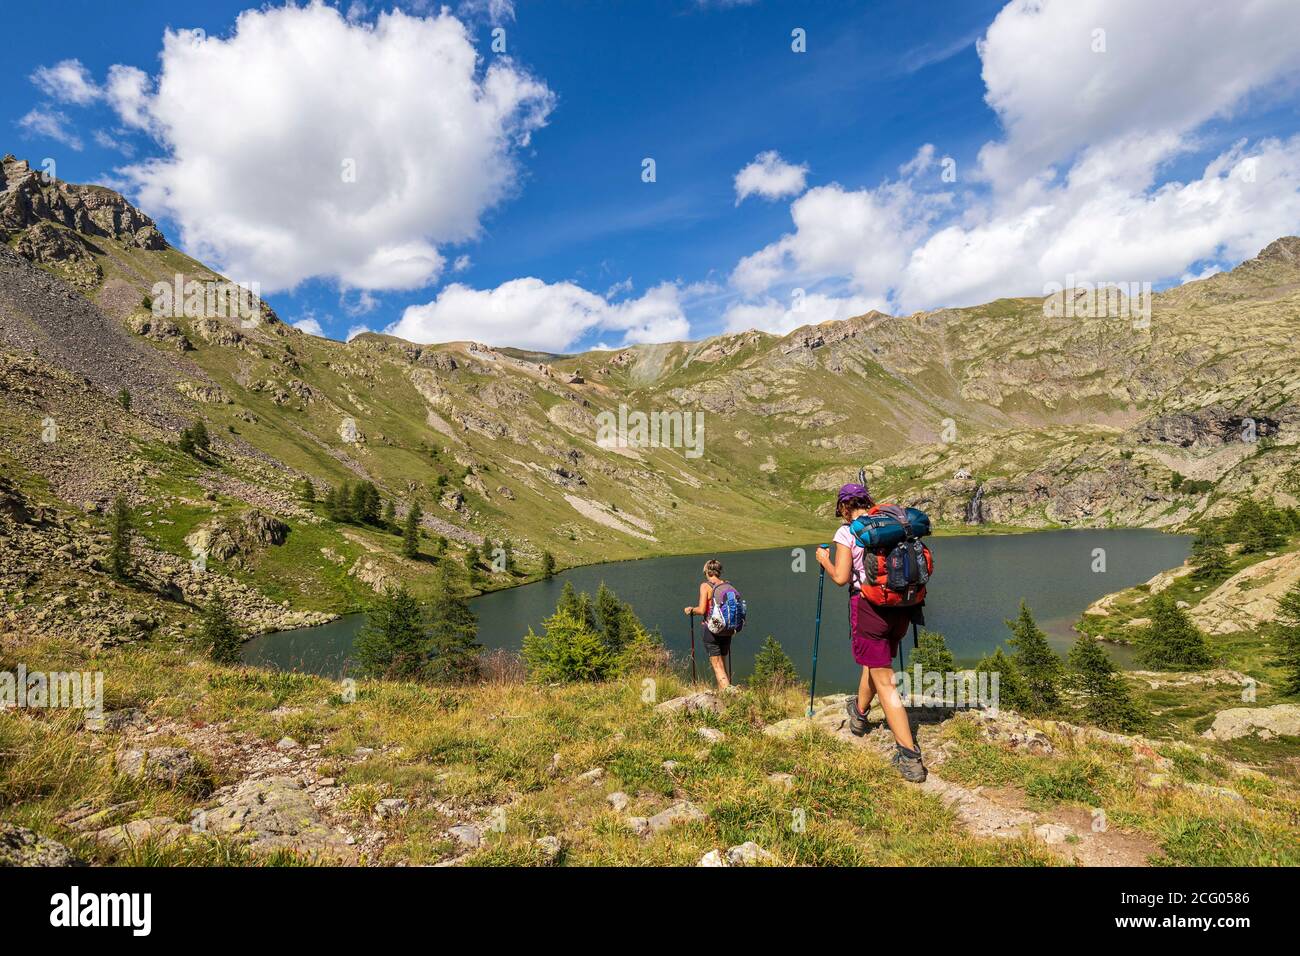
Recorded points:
567,650
124,399
186,442
773,667
1106,698
578,604
453,629
307,491
411,531
1038,665
1171,641
1209,558
548,564
508,552
1013,694
390,514
1257,527
120,533
199,434
616,619
933,655
1286,627
219,634
394,642
331,502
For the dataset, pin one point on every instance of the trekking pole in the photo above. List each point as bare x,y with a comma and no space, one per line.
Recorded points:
817,633
693,677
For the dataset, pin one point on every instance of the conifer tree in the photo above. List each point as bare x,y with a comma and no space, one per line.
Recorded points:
1038,665
1012,692
548,564
1106,698
394,642
773,667
453,631
1209,558
1171,641
1287,630
119,540
411,531
219,634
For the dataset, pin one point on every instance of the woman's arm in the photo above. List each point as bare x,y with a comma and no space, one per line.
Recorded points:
704,598
841,569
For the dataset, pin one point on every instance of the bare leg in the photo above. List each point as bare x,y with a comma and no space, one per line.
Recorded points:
720,671
892,704
866,692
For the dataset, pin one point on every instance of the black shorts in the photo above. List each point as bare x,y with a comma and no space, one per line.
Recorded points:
717,645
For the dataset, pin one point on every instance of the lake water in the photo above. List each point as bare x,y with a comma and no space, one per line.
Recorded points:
978,583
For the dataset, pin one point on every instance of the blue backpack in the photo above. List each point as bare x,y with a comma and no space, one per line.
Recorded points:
726,611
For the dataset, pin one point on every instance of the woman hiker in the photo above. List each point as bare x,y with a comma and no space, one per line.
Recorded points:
876,631
717,645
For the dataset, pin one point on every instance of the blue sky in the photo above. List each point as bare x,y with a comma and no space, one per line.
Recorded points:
1160,150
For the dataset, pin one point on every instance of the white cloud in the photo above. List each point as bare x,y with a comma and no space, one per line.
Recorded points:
356,330
530,313
771,315
771,177
51,124
264,128
311,326
1076,186
462,263
67,81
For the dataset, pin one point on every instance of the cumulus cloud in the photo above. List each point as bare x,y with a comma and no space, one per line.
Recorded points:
1073,192
772,315
52,124
530,313
771,177
67,81
307,145
311,326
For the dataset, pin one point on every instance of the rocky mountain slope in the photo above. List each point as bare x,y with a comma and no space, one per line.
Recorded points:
994,416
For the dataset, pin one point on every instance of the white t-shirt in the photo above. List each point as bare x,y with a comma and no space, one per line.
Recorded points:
844,538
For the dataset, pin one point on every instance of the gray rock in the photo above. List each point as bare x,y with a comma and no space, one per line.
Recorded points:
748,853
551,847
22,847
1053,833
275,813
391,807
1280,720
593,776
705,701
712,858
286,743
466,835
162,831
681,812
172,767
670,765
638,825
710,735
785,780
618,800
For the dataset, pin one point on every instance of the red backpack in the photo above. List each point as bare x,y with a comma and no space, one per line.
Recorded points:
898,572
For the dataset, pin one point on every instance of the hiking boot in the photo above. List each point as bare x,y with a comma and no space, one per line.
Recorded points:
910,768
857,719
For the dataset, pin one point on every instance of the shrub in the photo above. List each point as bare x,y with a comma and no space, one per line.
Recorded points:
411,531
394,643
932,654
1013,694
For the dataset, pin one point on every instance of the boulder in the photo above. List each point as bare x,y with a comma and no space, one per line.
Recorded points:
710,735
618,800
681,812
748,853
22,847
1280,720
467,835
273,814
161,831
172,767
703,702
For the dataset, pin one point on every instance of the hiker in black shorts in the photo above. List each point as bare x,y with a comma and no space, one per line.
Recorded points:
718,646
